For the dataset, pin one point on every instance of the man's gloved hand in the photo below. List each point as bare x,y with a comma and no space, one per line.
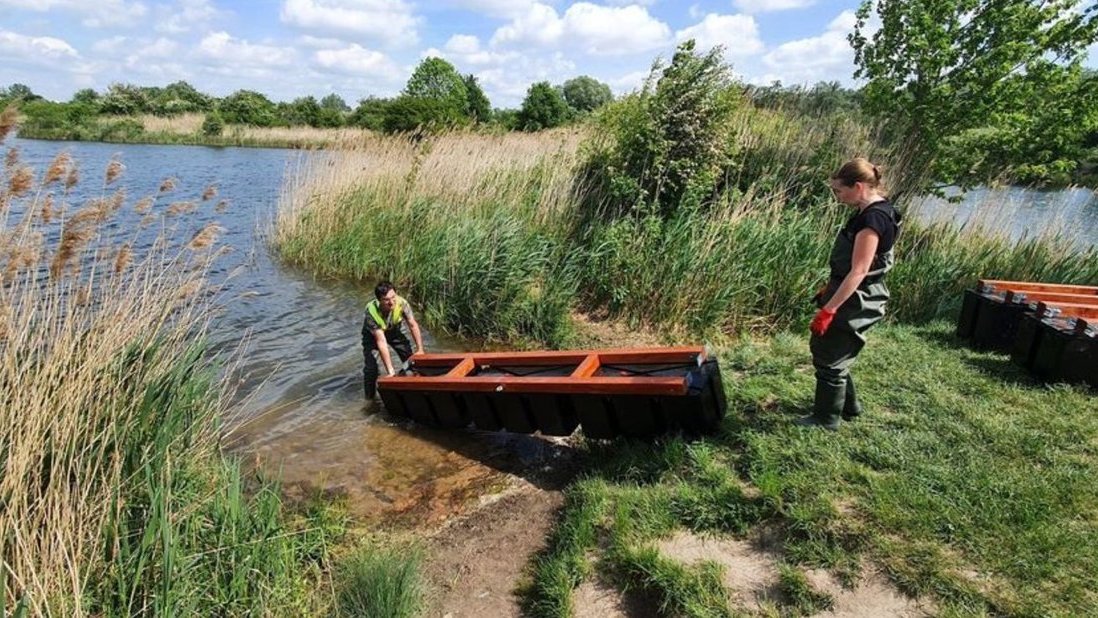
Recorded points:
822,322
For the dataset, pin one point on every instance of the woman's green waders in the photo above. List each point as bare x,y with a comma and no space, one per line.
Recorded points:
835,351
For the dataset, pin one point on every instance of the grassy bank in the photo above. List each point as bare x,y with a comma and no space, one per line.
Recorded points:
966,481
116,500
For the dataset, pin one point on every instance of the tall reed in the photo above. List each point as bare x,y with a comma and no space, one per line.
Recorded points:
501,237
115,498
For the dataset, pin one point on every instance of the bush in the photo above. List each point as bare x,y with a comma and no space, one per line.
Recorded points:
212,125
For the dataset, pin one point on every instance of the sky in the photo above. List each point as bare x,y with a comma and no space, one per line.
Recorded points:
357,48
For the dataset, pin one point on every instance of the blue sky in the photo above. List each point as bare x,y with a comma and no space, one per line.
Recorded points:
356,48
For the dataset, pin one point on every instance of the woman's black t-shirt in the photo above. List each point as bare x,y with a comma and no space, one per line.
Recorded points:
881,217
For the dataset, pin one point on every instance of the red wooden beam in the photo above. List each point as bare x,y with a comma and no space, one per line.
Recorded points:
462,369
1051,298
569,357
587,368
1030,286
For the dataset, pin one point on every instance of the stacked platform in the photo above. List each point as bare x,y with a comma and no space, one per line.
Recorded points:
639,392
1047,328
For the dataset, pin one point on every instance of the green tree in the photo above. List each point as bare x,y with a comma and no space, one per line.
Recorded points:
543,108
938,68
437,79
212,125
586,94
22,92
302,111
477,106
407,114
334,102
247,107
124,100
370,113
86,96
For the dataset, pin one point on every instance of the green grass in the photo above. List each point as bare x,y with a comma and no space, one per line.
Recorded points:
965,481
377,581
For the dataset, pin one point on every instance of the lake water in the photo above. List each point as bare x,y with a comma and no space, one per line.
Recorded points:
299,409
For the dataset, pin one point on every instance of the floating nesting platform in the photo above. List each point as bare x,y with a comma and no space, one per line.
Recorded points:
638,392
1047,328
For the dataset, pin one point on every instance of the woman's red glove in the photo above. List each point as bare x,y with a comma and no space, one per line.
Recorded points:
821,322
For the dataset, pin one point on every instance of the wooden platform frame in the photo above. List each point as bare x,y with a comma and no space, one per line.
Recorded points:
582,379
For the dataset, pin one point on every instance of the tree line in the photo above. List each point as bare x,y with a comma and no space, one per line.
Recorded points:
436,97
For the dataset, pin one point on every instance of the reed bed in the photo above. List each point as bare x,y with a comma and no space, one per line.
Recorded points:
115,498
498,236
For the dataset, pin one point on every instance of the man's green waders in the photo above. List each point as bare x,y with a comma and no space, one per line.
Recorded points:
835,351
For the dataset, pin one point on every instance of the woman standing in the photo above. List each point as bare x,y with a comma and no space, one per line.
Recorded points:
855,295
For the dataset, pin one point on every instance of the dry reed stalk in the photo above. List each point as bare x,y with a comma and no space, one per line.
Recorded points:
167,185
209,193
116,201
114,170
58,168
8,120
21,181
206,236
144,205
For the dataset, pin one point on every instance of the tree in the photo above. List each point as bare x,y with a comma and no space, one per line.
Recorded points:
247,107
334,102
22,92
543,108
407,114
303,111
936,69
124,100
181,97
85,95
370,113
212,125
585,94
477,105
437,79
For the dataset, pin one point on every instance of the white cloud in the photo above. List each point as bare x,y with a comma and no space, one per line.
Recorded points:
356,60
506,85
110,46
188,15
827,57
386,20
628,2
159,49
464,50
593,29
96,13
628,82
41,50
738,34
766,6
228,54
315,42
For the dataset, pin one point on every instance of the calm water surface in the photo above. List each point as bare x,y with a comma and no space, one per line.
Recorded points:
299,408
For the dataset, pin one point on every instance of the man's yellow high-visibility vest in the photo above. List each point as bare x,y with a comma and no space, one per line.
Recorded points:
396,316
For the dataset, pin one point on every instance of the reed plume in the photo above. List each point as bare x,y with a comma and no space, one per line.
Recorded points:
206,236
47,208
21,181
144,205
209,193
8,121
58,168
114,170
179,208
222,206
11,158
123,258
167,185
72,179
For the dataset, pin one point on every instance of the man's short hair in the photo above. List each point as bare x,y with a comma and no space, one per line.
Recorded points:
382,289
